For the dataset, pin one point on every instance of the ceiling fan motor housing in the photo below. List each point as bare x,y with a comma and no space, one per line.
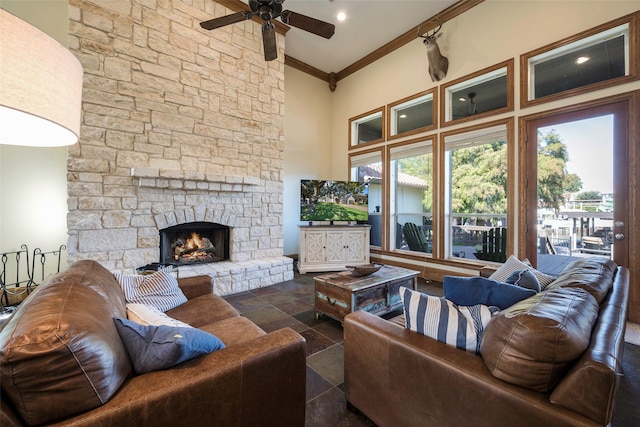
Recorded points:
266,9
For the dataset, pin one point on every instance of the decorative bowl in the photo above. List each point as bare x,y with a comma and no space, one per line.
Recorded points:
363,269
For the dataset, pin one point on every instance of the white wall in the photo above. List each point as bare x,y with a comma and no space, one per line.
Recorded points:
33,181
307,145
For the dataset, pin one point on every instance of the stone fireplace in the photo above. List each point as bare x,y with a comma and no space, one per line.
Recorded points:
179,126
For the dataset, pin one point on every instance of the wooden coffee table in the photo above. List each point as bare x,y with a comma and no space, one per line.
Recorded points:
338,294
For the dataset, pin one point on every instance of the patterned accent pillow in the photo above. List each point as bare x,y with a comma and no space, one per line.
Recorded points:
159,290
513,264
440,319
147,315
524,279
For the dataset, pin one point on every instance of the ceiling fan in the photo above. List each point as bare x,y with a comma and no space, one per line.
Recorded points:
268,10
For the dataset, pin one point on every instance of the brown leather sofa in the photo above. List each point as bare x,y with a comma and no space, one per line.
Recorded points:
62,363
398,377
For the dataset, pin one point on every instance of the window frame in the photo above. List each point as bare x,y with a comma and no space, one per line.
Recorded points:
428,140
363,118
527,86
446,93
441,208
409,101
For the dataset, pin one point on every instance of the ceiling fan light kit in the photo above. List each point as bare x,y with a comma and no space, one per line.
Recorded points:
268,10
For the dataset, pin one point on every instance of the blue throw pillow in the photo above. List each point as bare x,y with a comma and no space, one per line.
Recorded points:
480,290
524,279
442,320
152,348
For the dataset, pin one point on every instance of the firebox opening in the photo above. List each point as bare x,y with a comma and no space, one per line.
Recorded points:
194,243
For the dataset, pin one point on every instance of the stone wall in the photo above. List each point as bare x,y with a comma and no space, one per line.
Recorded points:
178,123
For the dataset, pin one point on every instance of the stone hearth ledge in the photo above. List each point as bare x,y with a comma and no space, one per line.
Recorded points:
190,180
234,277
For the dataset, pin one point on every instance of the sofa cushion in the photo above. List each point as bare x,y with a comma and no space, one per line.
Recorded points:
524,279
442,320
594,275
532,343
152,348
513,264
60,354
159,290
234,330
147,315
480,290
203,310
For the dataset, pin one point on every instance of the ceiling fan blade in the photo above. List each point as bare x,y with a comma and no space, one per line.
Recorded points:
307,23
269,41
214,23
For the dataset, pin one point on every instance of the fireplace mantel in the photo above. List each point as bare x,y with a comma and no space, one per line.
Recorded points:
190,180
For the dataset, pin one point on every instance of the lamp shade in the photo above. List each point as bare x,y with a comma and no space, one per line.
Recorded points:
40,87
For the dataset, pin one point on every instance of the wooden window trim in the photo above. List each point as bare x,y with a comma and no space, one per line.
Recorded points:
509,64
358,117
434,115
634,60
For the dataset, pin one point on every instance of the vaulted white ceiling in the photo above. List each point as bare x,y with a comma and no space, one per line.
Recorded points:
370,24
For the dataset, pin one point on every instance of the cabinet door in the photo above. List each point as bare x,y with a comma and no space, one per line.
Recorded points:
335,246
315,247
355,247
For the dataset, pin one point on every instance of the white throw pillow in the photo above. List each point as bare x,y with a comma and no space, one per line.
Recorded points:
438,318
159,290
147,315
514,264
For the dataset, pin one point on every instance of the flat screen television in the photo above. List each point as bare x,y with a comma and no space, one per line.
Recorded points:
322,200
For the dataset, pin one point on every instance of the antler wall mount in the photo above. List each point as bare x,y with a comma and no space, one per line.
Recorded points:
269,10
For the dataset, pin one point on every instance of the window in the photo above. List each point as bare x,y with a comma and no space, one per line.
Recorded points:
367,167
487,92
591,60
367,128
476,190
412,115
411,198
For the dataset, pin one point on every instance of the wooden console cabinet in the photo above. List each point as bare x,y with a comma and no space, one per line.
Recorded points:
332,247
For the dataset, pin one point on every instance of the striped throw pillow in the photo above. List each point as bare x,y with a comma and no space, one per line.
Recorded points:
159,290
438,318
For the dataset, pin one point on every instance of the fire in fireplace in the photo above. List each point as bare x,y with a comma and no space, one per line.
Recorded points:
194,243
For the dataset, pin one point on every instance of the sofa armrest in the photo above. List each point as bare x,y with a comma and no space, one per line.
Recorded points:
487,270
425,382
195,286
258,382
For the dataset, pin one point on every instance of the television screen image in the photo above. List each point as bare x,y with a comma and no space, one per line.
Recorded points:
333,201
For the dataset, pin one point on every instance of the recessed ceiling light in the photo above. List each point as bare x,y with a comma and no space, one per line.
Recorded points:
403,116
582,59
462,99
341,16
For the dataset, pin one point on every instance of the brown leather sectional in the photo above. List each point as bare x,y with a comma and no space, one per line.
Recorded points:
62,363
398,377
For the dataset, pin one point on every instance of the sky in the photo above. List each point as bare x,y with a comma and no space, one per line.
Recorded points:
590,146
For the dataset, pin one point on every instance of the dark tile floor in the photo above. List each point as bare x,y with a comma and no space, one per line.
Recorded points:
291,304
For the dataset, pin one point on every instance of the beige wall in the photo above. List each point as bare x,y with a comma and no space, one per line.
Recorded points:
33,183
307,147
